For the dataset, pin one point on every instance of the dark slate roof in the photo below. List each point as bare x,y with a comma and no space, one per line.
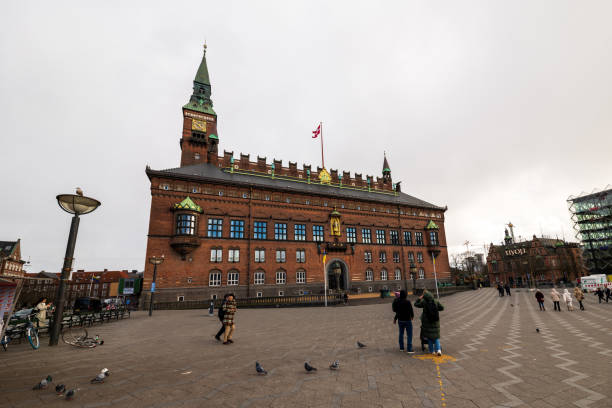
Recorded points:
7,247
209,172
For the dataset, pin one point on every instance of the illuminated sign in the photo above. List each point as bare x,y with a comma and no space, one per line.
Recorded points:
515,252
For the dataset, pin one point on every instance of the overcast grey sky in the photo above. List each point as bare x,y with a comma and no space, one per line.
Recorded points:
500,110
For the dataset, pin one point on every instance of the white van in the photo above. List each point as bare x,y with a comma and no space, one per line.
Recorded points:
592,282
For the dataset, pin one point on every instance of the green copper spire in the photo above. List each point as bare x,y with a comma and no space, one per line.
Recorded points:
200,99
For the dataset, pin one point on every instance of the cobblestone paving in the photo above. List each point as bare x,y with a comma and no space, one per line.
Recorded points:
493,358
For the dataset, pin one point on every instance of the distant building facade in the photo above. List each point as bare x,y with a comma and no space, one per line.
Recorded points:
541,260
11,263
258,228
592,217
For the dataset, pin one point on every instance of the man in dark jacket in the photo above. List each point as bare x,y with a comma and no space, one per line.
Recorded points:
404,315
600,293
507,287
222,329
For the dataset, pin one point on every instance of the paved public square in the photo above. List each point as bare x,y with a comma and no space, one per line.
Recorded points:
493,356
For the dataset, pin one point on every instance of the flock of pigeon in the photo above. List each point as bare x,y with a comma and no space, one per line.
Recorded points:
60,389
307,366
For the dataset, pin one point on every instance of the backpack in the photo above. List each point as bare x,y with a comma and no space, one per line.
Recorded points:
221,312
431,311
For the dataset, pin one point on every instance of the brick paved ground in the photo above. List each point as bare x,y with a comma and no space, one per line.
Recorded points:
172,359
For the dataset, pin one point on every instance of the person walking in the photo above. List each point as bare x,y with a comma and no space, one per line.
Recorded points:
556,297
579,296
540,298
507,287
567,298
599,293
229,310
403,317
500,289
430,320
608,293
221,312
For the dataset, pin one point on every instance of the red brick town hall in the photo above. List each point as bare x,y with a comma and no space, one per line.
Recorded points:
262,228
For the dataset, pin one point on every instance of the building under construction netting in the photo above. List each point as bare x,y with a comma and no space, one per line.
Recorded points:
592,217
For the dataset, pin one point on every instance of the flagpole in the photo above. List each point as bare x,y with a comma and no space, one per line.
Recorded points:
322,157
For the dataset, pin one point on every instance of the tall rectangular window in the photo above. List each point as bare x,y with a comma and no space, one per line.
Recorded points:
185,224
366,236
300,256
419,257
280,231
369,275
214,279
260,230
260,255
433,237
380,237
351,235
281,255
418,236
216,255
396,257
299,232
237,229
232,278
367,256
300,277
215,227
411,257
317,233
233,255
382,256
259,278
421,273
394,237
407,238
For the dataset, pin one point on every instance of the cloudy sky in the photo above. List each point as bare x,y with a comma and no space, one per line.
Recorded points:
500,110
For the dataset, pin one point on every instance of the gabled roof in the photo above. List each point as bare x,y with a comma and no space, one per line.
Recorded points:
7,247
211,173
431,225
188,204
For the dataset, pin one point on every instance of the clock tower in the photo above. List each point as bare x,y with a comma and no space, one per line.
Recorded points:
199,143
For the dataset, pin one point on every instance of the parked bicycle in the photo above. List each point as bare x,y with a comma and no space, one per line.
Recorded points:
16,329
77,336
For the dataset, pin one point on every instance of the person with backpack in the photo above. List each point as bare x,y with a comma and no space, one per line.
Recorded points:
222,329
579,296
430,321
403,316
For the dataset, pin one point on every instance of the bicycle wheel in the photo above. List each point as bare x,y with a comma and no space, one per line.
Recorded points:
73,335
32,335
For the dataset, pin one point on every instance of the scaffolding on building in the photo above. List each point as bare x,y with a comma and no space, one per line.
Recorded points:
592,219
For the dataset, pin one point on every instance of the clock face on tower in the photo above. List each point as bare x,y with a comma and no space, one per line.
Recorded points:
198,125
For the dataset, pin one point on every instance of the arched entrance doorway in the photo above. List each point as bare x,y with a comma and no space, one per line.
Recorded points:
337,275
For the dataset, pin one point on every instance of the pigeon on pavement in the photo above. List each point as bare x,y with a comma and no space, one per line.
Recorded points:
308,367
99,378
70,394
260,369
361,345
60,388
43,384
538,330
335,365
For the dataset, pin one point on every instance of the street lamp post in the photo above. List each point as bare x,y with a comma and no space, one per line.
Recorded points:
155,261
76,205
433,258
413,271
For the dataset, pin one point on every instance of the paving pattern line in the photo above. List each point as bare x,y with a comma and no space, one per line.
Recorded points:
483,333
513,341
559,354
475,309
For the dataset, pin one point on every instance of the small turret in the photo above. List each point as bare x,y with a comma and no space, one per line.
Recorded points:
386,171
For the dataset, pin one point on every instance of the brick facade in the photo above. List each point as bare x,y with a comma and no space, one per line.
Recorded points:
221,189
548,260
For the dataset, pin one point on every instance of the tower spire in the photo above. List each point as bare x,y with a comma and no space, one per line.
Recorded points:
200,99
386,169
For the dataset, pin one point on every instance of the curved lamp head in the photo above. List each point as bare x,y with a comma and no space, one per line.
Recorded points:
413,268
77,204
156,260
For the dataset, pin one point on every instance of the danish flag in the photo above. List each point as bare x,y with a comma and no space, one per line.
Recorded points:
316,132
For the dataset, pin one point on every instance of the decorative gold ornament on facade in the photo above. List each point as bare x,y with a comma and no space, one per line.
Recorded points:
334,223
324,176
198,125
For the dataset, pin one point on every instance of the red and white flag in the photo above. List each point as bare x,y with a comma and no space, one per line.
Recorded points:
316,132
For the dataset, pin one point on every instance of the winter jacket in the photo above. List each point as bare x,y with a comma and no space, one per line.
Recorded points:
554,295
539,296
229,309
578,294
431,330
567,298
403,310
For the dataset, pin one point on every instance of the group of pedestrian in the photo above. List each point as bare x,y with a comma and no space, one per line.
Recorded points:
430,321
501,288
556,297
227,311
